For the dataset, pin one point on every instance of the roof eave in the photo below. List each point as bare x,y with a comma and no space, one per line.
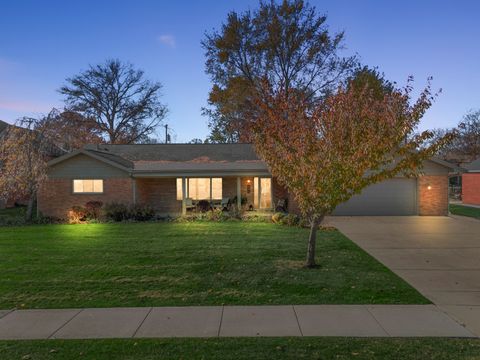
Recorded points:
89,154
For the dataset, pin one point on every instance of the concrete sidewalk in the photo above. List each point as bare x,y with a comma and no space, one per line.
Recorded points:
231,321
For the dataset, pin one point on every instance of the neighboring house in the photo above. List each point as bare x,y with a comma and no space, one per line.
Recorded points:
169,177
471,183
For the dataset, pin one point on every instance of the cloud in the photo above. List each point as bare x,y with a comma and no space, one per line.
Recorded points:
166,39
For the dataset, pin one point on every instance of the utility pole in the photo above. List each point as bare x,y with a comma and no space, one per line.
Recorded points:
166,133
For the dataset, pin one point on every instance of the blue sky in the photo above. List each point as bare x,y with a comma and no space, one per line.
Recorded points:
43,42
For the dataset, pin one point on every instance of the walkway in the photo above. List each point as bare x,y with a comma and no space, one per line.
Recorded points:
230,321
439,256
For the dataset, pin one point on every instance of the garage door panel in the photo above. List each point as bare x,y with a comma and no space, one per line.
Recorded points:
391,197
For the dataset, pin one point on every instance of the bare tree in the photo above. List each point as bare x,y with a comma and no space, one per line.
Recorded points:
125,106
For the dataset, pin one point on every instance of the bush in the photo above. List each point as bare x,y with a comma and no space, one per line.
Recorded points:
93,209
141,212
203,205
278,217
77,215
122,212
116,211
290,220
216,215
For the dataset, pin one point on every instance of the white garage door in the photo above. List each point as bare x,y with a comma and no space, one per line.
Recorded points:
391,197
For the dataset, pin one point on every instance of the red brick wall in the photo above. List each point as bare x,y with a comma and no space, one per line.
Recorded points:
161,194
433,201
56,197
471,188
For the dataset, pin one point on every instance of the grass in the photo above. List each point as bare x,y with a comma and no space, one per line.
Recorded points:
244,348
465,211
165,264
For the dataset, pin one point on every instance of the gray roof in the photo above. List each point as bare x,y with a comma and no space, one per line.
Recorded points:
177,158
474,166
179,152
168,159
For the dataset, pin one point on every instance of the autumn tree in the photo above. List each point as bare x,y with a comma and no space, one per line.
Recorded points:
288,43
125,106
354,138
69,130
24,152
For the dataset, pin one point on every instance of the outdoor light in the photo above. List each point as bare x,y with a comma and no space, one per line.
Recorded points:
249,181
429,187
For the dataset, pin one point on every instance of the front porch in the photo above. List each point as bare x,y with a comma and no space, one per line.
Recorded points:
183,194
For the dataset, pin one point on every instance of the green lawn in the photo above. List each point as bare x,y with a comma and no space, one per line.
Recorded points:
244,348
162,264
465,211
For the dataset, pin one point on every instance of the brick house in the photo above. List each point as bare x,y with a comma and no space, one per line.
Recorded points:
171,177
471,183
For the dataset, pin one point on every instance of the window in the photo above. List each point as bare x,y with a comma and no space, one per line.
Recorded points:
179,189
201,188
88,186
262,193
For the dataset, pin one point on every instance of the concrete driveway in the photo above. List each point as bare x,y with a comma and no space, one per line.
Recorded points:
439,256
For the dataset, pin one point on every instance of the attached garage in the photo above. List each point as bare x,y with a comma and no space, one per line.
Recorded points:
392,197
424,195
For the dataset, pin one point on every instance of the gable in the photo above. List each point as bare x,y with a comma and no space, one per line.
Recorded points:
83,166
433,168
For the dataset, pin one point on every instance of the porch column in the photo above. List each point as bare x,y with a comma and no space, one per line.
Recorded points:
239,194
184,196
134,190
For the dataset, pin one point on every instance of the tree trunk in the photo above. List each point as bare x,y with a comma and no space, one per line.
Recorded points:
29,213
314,224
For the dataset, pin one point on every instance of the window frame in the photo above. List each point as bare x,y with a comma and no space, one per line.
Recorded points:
187,187
93,186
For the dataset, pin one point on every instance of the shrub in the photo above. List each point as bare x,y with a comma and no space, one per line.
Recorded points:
256,218
216,215
140,212
203,205
290,220
277,217
77,215
116,211
93,209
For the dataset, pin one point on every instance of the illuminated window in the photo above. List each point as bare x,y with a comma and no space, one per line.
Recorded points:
201,188
262,193
92,186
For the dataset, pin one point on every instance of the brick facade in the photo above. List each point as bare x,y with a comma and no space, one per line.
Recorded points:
160,194
56,196
471,188
432,192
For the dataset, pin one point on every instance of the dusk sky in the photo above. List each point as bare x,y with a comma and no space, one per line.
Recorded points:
44,42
